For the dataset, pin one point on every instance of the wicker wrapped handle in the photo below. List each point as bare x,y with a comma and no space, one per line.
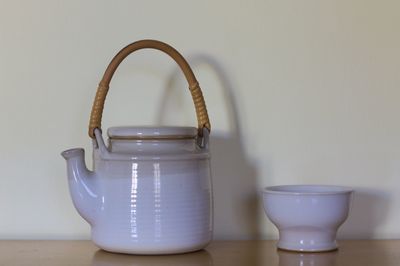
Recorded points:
98,105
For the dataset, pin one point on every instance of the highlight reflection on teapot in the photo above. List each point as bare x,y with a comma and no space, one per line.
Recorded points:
288,258
199,258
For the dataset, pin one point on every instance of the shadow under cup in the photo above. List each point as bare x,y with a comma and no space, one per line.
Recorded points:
307,216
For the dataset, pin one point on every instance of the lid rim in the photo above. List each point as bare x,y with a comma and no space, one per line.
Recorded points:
151,132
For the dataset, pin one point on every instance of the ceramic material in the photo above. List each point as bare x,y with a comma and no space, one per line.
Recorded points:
146,195
307,216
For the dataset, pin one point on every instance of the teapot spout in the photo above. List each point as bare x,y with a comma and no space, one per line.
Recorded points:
81,183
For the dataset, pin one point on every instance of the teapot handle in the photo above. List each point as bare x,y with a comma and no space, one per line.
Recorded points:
197,96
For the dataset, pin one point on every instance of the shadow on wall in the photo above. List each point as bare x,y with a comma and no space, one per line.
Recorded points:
236,199
369,209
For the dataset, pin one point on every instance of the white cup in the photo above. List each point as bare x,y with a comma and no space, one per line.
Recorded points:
307,216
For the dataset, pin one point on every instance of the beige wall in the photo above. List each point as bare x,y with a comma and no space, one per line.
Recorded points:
298,92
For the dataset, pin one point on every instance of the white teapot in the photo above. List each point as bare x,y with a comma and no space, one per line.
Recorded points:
150,191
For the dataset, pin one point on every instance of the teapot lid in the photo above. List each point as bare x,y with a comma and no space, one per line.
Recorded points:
153,133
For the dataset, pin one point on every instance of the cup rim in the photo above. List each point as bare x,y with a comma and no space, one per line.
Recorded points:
307,190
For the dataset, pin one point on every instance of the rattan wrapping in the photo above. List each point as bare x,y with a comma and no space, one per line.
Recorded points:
102,90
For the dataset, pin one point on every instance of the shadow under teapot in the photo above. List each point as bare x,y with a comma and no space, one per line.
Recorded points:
199,258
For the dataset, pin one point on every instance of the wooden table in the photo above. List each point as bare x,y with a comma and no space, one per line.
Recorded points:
247,253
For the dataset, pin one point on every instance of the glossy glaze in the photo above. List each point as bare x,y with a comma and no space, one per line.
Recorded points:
144,196
307,217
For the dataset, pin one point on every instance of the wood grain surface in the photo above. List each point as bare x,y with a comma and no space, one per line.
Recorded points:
62,253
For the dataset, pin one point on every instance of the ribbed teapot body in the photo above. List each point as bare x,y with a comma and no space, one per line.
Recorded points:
156,197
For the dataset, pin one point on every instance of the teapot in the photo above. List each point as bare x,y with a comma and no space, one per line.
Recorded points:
150,190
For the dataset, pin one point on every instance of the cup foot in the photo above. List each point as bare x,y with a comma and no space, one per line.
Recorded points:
311,247
307,239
